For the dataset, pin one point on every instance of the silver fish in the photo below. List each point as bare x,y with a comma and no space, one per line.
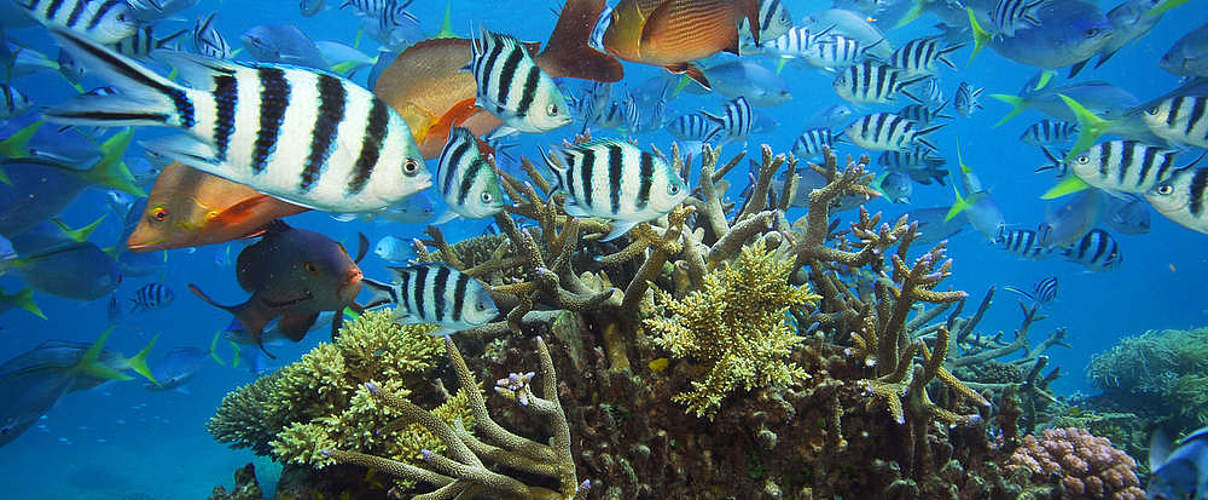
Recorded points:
436,293
1098,251
466,180
512,87
888,132
1183,198
105,21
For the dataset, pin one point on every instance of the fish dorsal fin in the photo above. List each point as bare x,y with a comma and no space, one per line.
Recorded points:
362,247
446,23
1159,449
567,53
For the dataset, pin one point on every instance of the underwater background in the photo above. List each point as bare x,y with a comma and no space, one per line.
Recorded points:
123,441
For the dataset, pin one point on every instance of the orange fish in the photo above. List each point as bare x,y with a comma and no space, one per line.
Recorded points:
427,87
673,33
189,208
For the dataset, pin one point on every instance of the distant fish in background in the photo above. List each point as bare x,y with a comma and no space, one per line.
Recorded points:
734,123
143,42
774,21
208,42
151,296
12,102
1023,243
1128,215
896,186
308,8
176,368
105,21
1069,222
1097,251
282,44
1187,57
394,250
967,100
1049,133
1043,291
79,271
155,10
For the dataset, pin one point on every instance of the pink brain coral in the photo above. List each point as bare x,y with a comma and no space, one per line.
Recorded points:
1090,466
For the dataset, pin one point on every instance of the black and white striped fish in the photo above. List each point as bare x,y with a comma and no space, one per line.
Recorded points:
105,21
155,10
693,127
371,8
311,138
922,115
795,43
836,52
12,102
208,42
967,100
932,92
888,132
1010,15
1024,243
435,293
143,42
1097,251
1182,119
1046,133
151,296
1183,198
734,124
921,56
1123,166
466,180
774,21
1043,292
810,143
616,180
915,159
512,87
873,83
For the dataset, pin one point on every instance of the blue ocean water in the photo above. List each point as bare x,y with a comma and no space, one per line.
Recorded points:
122,441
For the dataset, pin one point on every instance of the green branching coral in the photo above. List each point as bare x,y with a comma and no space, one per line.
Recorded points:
736,327
1157,375
320,400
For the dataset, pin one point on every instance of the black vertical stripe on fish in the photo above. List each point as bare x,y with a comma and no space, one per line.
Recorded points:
615,158
53,8
418,289
100,13
645,180
1199,183
439,283
1197,114
529,91
467,180
459,295
332,98
1105,160
585,170
1127,157
185,111
226,100
371,146
274,98
76,11
1173,115
455,158
569,176
1147,163
508,73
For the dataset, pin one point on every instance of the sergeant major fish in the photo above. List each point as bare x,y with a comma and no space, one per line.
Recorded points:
1183,198
513,87
436,293
105,21
466,179
617,181
356,153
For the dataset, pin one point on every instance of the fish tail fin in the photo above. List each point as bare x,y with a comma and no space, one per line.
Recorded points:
214,349
960,160
138,362
380,293
1017,106
780,65
981,37
960,205
88,362
237,356
78,235
25,300
1090,127
1069,185
916,10
446,23
144,97
14,145
567,53
251,318
110,170
751,12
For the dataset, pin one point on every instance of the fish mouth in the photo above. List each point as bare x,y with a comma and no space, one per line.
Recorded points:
351,286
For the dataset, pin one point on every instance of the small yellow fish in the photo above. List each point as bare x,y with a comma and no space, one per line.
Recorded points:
658,365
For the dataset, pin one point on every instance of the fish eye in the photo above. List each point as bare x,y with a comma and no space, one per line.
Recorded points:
1092,32
1165,190
480,306
1153,110
160,214
1082,159
486,197
411,166
673,189
552,110
311,268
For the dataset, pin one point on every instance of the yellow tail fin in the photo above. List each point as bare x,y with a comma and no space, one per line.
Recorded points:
1090,127
14,145
1071,184
981,37
1017,106
139,362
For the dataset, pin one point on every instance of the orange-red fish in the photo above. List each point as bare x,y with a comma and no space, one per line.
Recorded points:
427,87
673,33
189,208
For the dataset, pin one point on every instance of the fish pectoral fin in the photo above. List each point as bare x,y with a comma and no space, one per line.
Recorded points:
573,209
619,228
190,151
295,326
691,71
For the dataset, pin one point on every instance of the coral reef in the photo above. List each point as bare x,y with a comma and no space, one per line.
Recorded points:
246,486
1158,375
719,351
735,327
1088,466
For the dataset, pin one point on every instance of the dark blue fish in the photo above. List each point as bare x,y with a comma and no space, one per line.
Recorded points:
81,271
1178,474
176,368
1069,32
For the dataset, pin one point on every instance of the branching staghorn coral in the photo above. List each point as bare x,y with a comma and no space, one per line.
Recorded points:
736,327
462,470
